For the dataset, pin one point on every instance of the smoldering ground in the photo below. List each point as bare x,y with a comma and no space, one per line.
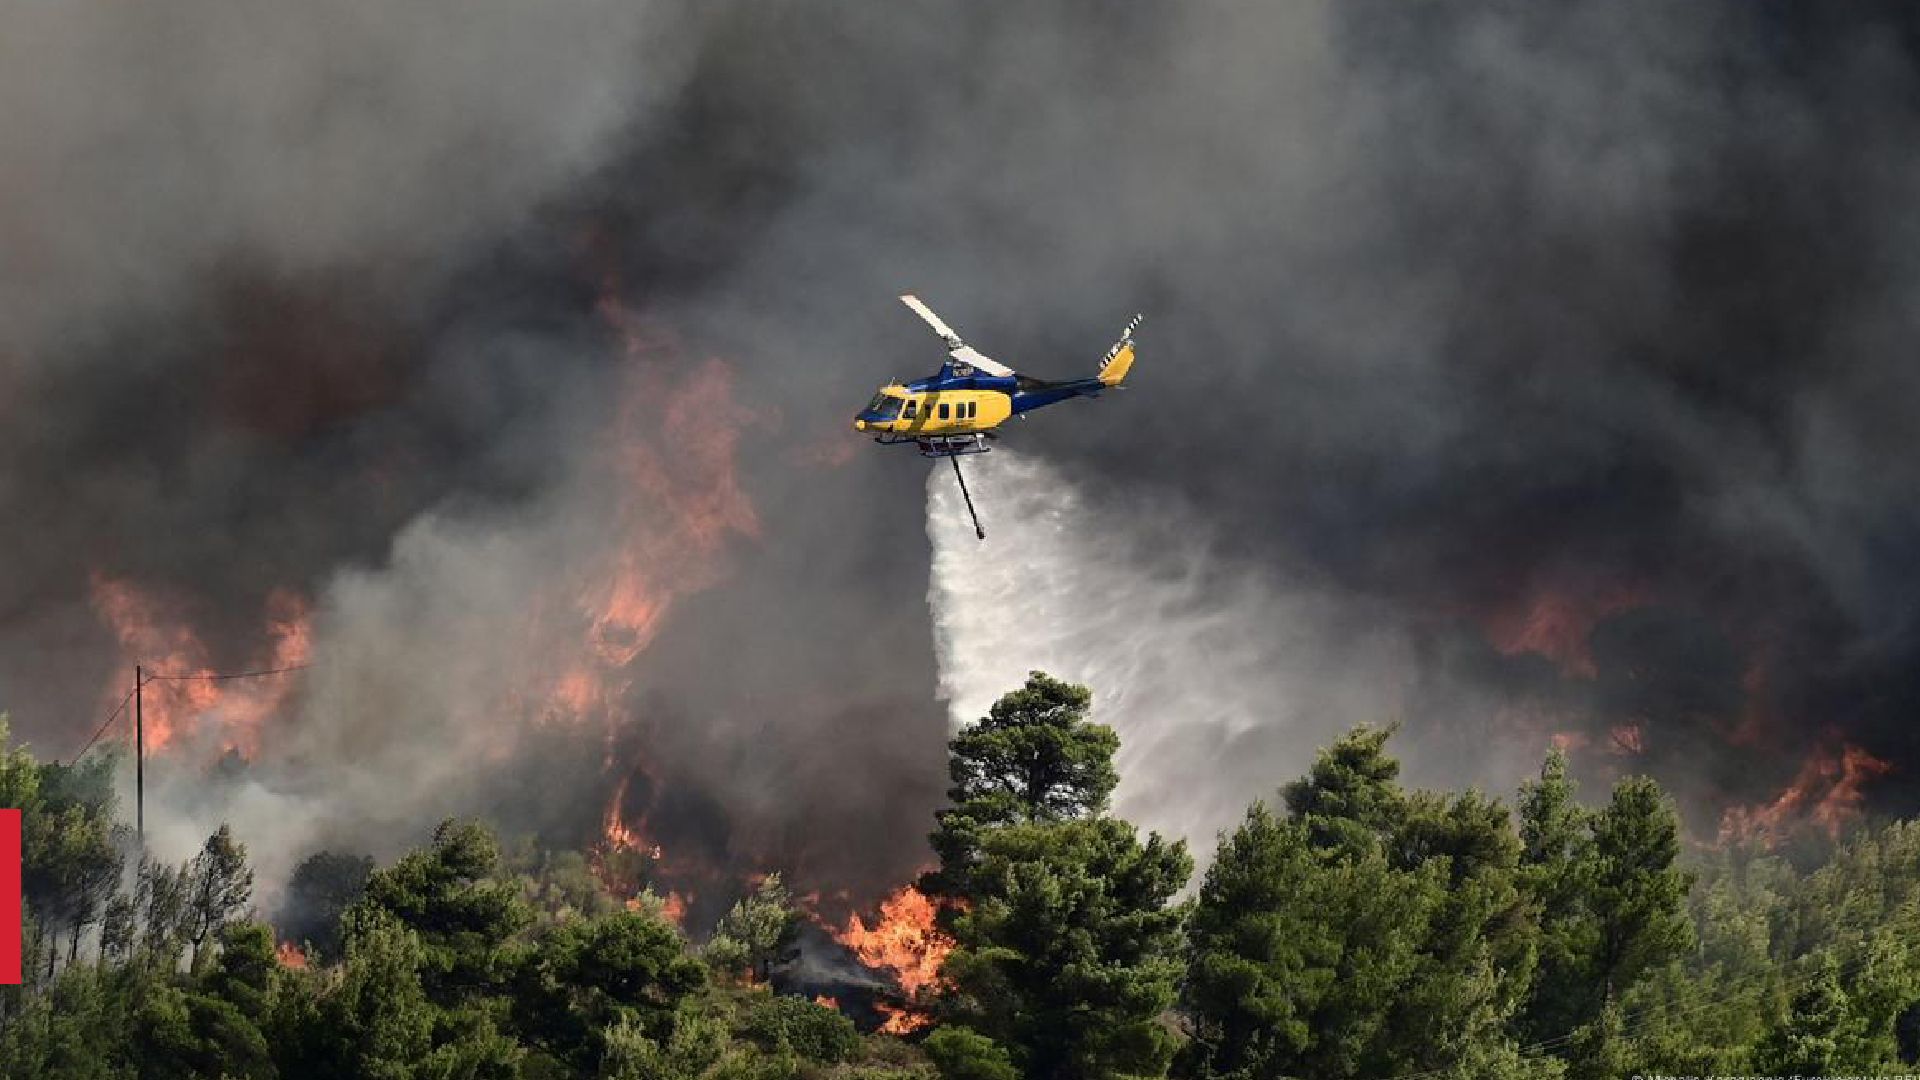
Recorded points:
1463,321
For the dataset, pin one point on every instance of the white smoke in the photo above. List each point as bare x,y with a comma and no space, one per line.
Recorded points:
402,719
1221,679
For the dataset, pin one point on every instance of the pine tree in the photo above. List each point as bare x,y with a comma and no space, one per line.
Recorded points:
1067,948
218,884
182,1035
71,848
1033,758
1370,932
461,915
963,1054
1264,952
117,929
1638,896
1558,867
590,974
1599,1049
1811,1038
1552,825
1612,900
378,1022
242,974
757,933
76,1028
321,889
160,898
1351,798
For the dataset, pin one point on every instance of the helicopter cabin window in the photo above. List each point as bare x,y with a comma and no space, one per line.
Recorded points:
884,408
913,408
943,411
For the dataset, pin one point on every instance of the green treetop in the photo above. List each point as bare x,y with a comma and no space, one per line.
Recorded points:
1370,932
1034,757
1067,951
757,933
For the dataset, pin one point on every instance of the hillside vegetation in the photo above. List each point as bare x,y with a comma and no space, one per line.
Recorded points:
1348,928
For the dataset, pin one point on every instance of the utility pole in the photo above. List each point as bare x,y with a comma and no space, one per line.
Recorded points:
139,761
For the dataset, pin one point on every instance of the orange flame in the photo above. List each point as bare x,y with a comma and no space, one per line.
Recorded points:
1827,792
291,956
1555,623
826,1001
167,647
676,444
900,1020
906,944
675,909
619,836
676,504
1628,739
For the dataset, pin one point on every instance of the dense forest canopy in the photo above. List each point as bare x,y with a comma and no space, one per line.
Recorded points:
1349,927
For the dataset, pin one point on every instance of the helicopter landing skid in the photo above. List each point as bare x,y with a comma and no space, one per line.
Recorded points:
940,445
953,445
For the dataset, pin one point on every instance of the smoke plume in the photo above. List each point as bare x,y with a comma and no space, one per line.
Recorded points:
1516,373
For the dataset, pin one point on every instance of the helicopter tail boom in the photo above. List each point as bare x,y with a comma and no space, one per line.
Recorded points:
1034,393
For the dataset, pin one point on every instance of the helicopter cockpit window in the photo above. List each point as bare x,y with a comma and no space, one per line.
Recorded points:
886,408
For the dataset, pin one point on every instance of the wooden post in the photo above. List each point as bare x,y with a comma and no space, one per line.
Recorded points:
139,761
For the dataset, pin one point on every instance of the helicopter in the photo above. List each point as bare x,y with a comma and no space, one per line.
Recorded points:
954,413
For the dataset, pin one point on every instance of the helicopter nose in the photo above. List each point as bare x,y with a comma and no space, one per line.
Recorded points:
859,425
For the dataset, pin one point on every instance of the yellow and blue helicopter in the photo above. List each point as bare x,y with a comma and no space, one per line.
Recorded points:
955,412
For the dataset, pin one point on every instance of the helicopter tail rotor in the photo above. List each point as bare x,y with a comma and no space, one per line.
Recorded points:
1119,359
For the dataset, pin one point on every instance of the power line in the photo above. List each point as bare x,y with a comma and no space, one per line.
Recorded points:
102,729
140,679
175,677
214,675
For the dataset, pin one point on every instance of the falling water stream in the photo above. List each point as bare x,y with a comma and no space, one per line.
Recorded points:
1220,680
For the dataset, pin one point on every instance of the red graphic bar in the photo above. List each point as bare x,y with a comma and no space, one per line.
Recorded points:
10,897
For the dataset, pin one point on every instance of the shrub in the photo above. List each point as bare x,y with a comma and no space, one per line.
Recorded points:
963,1054
812,1031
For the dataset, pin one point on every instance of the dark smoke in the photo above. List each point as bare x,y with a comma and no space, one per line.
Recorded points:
1453,311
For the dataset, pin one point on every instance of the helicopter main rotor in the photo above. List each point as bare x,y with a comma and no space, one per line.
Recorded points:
957,350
